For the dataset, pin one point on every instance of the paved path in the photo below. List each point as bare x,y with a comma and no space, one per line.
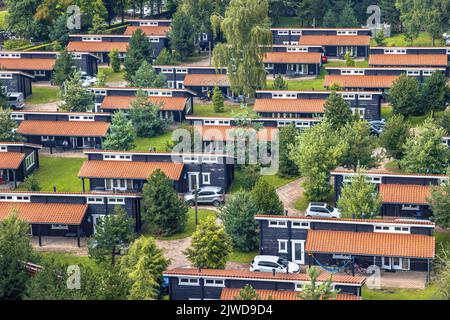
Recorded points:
58,153
289,194
52,106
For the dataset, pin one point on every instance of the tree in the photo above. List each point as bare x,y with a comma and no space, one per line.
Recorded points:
164,212
114,60
59,31
266,198
238,216
394,136
359,198
390,14
166,58
139,50
435,92
287,135
349,61
145,116
112,231
245,117
442,282
436,18
31,183
63,69
424,150
279,83
210,245
4,97
443,120
246,26
144,264
121,134
316,152
20,17
379,38
410,17
315,291
8,127
337,111
15,248
181,35
347,17
360,145
101,79
146,77
440,204
405,96
77,98
250,175
330,19
218,100
247,293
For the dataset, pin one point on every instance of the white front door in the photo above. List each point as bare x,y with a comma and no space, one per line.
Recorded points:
298,251
86,142
194,180
95,219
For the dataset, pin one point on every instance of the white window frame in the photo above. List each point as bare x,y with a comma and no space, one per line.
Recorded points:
191,281
394,51
269,66
39,73
301,225
6,76
392,228
116,201
17,116
117,157
410,207
215,283
95,200
30,160
283,32
283,246
3,149
277,224
60,227
206,178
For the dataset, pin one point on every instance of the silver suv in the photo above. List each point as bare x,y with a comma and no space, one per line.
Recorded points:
322,210
15,100
206,195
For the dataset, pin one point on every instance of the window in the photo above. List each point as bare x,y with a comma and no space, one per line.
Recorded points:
365,97
300,225
359,112
347,33
347,96
95,200
216,122
206,177
148,23
353,72
214,283
427,73
81,118
91,39
296,32
116,200
277,224
391,228
47,138
118,184
3,149
159,93
210,160
299,286
181,70
269,66
413,72
60,227
394,51
117,157
190,159
283,32
282,246
76,56
30,160
188,281
166,70
6,76
284,95
100,92
39,73
17,116
410,207
296,49
154,39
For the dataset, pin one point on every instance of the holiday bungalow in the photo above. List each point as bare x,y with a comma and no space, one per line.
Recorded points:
125,171
41,64
199,79
67,214
174,104
149,27
68,130
338,244
293,64
17,161
410,61
283,295
411,50
352,82
14,82
210,284
295,48
307,107
404,195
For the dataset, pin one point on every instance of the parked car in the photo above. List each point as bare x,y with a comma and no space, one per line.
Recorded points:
15,100
323,210
273,263
377,127
206,195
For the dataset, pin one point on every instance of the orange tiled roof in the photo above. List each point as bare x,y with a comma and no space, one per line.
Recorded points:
231,293
292,57
206,80
148,30
405,193
27,64
431,60
226,133
245,274
64,128
360,81
45,213
129,169
94,46
11,160
124,102
289,105
370,243
335,40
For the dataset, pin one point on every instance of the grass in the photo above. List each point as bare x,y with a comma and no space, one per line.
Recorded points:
159,142
358,64
111,76
398,40
43,95
207,110
67,259
304,85
302,203
274,180
387,112
399,294
190,225
242,257
61,172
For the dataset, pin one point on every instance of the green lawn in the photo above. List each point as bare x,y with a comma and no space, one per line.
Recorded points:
43,95
274,180
302,202
190,225
207,110
398,40
242,257
399,294
358,64
111,76
61,172
304,85
159,142
67,258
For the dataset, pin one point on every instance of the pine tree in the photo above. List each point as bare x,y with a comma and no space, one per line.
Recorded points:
238,218
121,134
145,116
247,293
114,60
435,92
218,100
146,77
267,198
77,98
405,96
349,61
59,31
330,19
210,245
279,83
379,38
315,291
8,127
287,135
337,111
164,212
359,198
139,50
63,69
181,35
347,17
